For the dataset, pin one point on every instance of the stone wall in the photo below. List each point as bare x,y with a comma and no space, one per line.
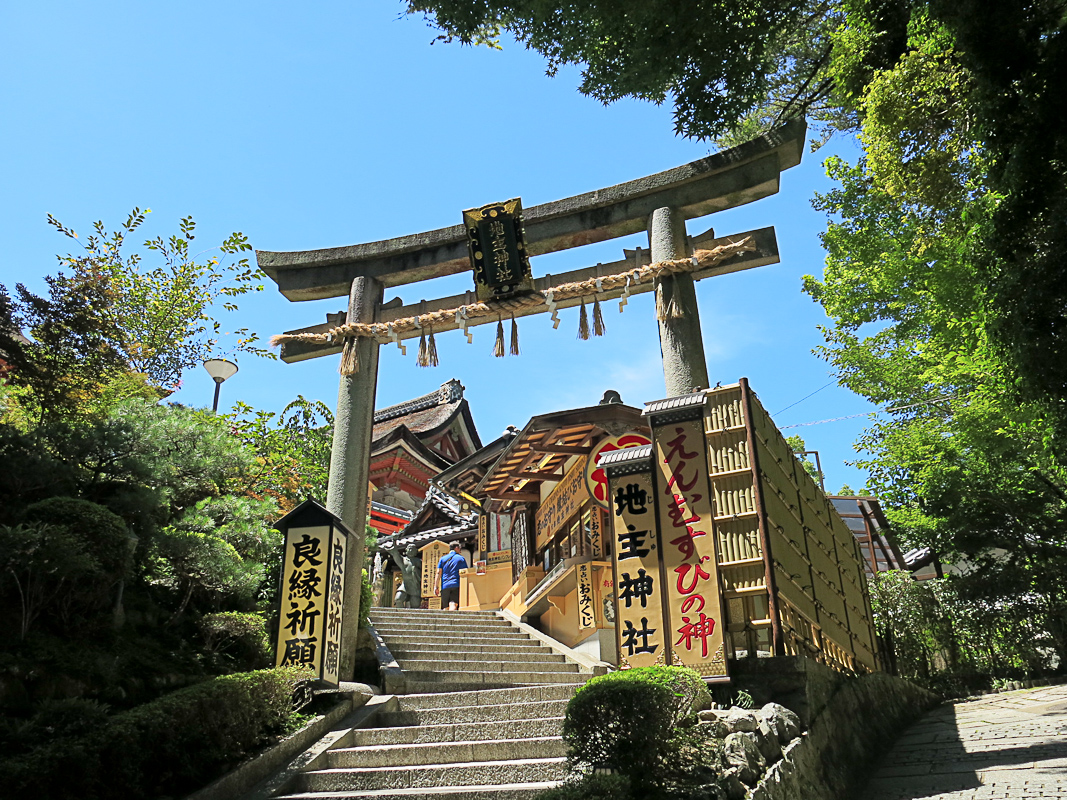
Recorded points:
851,726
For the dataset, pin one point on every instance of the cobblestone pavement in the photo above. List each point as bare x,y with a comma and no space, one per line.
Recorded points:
1009,745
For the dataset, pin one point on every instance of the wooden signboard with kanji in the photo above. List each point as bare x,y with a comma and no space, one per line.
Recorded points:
431,554
639,624
693,597
312,591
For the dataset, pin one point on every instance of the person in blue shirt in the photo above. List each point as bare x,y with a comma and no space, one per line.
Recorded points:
448,577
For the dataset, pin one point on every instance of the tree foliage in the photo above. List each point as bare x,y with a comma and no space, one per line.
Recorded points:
940,634
293,449
163,309
948,97
75,350
119,324
967,464
718,60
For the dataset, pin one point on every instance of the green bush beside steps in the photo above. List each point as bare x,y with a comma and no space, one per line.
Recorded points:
634,734
166,748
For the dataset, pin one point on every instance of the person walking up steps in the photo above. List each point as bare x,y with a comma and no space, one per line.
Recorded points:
448,577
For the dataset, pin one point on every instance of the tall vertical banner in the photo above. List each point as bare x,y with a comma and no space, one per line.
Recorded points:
692,594
309,625
639,628
596,533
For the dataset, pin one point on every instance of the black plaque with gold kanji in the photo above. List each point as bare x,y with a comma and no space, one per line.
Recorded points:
497,249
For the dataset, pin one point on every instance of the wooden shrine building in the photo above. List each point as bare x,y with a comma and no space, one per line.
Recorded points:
539,548
414,441
535,511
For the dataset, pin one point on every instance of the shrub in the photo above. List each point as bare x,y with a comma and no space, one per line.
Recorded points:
590,787
104,533
939,634
67,718
627,720
240,638
169,747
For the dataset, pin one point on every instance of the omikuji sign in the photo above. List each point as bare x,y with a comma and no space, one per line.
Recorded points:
311,592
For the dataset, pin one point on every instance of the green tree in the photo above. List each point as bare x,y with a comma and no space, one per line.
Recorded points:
722,62
965,465
293,449
41,561
163,310
74,352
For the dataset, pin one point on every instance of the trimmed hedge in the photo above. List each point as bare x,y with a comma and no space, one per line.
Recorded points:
166,748
626,721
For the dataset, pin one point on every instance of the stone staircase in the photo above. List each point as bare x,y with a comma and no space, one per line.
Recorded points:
448,651
483,721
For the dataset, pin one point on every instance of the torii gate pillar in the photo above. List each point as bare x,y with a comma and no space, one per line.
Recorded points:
350,458
681,345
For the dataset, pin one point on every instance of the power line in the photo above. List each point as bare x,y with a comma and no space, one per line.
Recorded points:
802,399
871,413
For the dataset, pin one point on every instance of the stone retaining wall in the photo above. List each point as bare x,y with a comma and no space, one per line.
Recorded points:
851,728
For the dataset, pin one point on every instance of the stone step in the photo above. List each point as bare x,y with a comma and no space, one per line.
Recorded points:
511,791
416,627
519,770
461,714
544,664
456,732
433,753
486,653
385,611
406,638
489,679
428,620
444,627
488,697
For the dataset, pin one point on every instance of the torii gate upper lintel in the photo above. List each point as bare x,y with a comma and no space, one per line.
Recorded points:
659,203
723,180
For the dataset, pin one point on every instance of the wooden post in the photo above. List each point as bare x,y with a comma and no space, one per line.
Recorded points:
350,458
684,366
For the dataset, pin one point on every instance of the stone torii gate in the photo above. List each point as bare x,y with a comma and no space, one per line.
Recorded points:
659,203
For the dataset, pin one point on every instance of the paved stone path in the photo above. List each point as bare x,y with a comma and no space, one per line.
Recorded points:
1009,745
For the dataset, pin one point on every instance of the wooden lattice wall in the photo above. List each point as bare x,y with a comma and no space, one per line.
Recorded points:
791,570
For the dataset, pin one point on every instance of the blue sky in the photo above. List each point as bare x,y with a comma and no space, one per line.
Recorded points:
336,123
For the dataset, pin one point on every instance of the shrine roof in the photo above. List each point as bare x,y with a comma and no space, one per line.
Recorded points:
427,415
542,449
444,534
437,503
402,438
392,511
464,475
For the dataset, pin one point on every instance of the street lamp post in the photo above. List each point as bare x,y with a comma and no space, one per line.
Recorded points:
219,369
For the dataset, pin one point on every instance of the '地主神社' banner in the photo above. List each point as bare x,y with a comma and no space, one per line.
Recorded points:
639,624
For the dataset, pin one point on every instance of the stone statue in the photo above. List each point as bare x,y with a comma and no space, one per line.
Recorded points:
409,595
